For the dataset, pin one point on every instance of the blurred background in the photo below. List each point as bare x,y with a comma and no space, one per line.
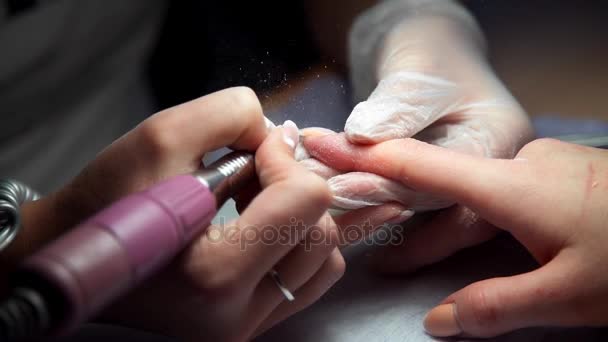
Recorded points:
551,54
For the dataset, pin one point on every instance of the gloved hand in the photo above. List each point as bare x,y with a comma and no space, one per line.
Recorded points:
425,59
423,62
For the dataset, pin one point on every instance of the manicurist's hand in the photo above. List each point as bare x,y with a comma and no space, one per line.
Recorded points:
553,198
169,143
219,289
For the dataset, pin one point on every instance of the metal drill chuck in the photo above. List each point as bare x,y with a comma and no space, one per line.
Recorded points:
227,175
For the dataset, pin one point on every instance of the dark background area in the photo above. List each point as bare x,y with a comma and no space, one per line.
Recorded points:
210,45
552,54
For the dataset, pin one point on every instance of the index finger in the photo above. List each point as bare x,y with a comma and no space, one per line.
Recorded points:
168,143
231,117
420,165
496,189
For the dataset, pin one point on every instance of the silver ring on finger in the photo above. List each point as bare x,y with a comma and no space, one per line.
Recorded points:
277,280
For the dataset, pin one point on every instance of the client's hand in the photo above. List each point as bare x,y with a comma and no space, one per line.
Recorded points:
552,198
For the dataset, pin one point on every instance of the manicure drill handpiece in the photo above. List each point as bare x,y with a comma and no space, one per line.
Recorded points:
79,274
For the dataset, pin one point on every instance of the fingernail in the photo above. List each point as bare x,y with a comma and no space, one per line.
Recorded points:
291,133
269,124
402,217
301,153
442,322
316,132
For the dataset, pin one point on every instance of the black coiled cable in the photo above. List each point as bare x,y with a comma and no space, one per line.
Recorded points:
12,195
23,316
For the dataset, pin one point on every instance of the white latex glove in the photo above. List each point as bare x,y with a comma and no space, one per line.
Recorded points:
423,63
426,60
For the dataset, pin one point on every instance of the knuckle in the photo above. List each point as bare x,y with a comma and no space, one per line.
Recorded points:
219,283
483,310
275,168
214,279
265,160
245,101
538,146
156,136
415,148
413,145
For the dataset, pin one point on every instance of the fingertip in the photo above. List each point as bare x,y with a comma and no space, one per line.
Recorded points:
402,217
251,119
282,139
269,125
316,142
442,321
382,119
291,133
360,139
276,155
333,150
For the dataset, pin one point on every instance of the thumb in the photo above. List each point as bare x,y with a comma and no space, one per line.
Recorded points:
496,306
402,105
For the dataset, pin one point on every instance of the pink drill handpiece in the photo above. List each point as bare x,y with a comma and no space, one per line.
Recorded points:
79,274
